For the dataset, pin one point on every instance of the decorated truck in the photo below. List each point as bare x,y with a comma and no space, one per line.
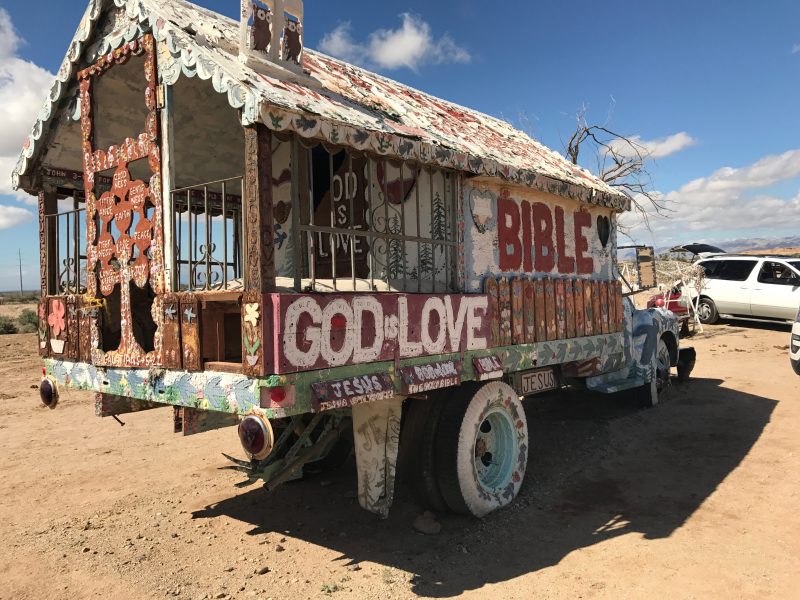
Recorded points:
255,234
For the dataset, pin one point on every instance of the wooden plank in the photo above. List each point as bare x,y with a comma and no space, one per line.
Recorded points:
44,328
504,303
490,289
517,311
604,310
597,324
620,307
580,312
258,210
107,405
189,421
550,308
561,310
87,314
529,310
612,306
588,308
190,332
253,340
541,311
171,331
72,347
569,295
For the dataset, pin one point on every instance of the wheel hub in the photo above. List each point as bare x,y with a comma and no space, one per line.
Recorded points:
494,450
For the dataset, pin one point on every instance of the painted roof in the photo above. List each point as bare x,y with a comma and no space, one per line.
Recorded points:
339,103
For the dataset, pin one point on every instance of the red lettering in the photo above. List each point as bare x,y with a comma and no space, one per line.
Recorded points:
508,233
543,237
566,264
527,243
585,264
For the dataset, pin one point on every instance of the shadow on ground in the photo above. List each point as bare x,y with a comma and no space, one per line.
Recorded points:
599,468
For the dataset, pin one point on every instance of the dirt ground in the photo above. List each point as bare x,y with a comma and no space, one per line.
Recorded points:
696,498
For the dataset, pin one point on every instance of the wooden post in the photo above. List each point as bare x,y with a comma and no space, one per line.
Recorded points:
48,263
259,221
172,268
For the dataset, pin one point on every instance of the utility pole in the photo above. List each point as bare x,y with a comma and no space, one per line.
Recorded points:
19,253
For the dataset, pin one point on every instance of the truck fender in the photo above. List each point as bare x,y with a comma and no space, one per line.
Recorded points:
376,433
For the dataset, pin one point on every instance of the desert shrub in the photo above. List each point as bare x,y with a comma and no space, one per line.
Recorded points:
7,325
28,317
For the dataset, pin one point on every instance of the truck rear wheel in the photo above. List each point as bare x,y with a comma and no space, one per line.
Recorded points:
417,445
481,448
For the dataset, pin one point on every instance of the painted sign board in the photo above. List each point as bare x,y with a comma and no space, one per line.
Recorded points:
314,331
341,393
431,376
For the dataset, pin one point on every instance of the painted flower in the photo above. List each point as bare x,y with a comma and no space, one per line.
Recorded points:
251,314
56,318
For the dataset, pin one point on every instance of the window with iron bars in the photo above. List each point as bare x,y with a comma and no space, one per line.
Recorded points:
349,221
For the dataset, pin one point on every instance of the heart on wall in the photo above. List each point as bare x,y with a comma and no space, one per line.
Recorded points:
603,229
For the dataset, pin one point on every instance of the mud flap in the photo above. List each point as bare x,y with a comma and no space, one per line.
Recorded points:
376,431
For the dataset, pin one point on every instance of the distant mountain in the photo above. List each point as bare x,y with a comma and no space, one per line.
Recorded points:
749,244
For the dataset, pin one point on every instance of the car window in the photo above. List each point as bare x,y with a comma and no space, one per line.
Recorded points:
711,267
777,273
735,270
795,264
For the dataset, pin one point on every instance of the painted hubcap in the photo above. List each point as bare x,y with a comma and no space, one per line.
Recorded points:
495,450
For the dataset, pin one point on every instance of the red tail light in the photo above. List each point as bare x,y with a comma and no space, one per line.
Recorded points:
255,434
48,392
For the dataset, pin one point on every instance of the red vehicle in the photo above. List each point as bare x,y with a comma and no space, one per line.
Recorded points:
671,300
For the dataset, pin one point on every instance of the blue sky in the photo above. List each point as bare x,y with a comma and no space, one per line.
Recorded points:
714,83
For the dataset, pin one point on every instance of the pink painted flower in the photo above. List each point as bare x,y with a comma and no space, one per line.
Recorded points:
56,318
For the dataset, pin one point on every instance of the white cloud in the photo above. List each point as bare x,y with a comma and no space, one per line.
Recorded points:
11,216
411,45
23,88
657,148
729,200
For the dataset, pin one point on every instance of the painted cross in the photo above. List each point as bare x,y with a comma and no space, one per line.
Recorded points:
189,314
170,312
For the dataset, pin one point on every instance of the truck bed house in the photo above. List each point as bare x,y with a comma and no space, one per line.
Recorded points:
257,234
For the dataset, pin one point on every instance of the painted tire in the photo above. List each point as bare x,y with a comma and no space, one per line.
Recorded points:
418,449
482,448
707,311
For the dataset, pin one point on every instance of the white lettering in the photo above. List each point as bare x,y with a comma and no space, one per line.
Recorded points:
362,304
341,356
407,347
291,350
474,322
433,346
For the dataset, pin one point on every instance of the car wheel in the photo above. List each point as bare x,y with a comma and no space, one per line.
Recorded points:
707,311
418,445
482,448
796,365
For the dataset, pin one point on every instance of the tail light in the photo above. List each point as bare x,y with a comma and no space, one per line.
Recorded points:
256,436
48,392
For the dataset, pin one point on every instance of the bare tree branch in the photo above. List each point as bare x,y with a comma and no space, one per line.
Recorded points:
621,162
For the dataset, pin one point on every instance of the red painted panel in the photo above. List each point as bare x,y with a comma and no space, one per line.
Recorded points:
550,308
580,313
517,312
561,310
529,310
569,295
504,303
588,308
597,324
604,311
541,312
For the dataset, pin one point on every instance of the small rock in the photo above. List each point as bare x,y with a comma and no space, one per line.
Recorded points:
427,524
262,570
228,569
279,548
221,595
354,567
139,536
85,549
174,535
283,539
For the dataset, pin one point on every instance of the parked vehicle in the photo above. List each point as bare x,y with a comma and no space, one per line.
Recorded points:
794,344
316,254
747,286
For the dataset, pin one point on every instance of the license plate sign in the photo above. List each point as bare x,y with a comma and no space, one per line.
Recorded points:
533,382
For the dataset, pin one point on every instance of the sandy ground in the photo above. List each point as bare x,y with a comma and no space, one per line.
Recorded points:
697,498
